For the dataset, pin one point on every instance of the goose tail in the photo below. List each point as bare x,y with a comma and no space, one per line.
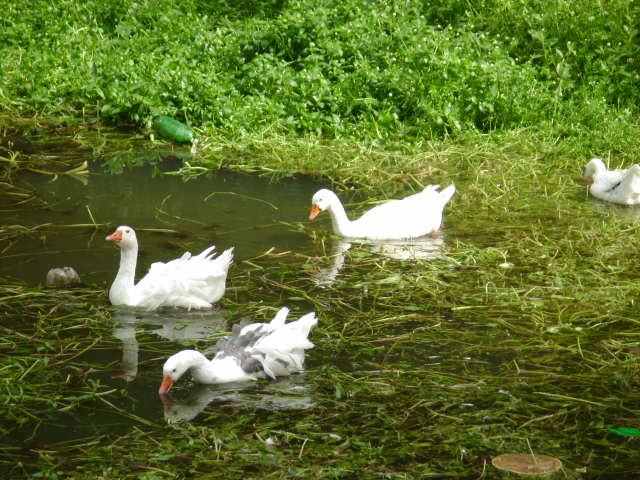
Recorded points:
447,193
279,319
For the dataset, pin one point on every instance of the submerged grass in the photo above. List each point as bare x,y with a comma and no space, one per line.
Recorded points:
43,335
429,373
518,333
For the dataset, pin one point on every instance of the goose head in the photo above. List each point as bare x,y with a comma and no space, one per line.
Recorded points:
123,237
176,366
592,169
322,200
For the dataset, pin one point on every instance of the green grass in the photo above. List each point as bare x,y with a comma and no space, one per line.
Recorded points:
369,73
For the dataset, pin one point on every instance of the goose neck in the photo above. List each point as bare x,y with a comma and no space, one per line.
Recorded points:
202,369
122,289
127,269
339,220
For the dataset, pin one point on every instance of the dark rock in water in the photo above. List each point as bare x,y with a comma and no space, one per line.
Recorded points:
61,277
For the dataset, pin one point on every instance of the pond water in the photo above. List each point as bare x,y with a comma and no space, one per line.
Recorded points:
171,216
70,215
243,211
489,327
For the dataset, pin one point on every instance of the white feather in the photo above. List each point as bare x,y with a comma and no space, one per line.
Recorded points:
275,349
188,282
616,186
410,217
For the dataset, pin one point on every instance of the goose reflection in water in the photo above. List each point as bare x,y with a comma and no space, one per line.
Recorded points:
182,326
285,394
625,212
424,248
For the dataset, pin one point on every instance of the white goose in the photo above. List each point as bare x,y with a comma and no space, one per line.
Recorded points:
617,186
189,282
411,217
256,350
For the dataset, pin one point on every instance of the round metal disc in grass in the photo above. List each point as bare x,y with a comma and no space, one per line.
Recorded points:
526,464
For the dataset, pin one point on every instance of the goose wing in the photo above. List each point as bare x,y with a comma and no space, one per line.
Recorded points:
188,281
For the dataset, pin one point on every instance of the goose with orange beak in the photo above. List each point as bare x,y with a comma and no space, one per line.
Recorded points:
253,351
410,217
191,282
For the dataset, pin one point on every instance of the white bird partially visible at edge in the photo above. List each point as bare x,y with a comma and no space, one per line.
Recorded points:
188,282
617,186
253,351
410,217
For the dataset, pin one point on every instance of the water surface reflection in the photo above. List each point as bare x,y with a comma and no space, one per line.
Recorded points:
174,325
289,393
171,215
627,212
425,248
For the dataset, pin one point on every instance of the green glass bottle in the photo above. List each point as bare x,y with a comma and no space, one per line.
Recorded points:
173,129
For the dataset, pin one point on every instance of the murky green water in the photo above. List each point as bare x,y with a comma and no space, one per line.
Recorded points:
70,220
513,330
246,212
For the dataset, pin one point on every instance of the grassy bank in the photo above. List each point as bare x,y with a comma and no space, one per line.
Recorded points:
365,73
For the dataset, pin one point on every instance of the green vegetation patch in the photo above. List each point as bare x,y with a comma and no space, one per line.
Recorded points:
518,334
358,70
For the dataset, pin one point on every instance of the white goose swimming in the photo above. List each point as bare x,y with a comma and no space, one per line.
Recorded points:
617,186
253,351
189,282
411,217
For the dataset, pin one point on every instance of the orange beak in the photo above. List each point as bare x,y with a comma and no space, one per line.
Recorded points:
115,237
315,210
166,384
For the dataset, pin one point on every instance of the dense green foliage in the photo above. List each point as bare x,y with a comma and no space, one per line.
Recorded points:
353,69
